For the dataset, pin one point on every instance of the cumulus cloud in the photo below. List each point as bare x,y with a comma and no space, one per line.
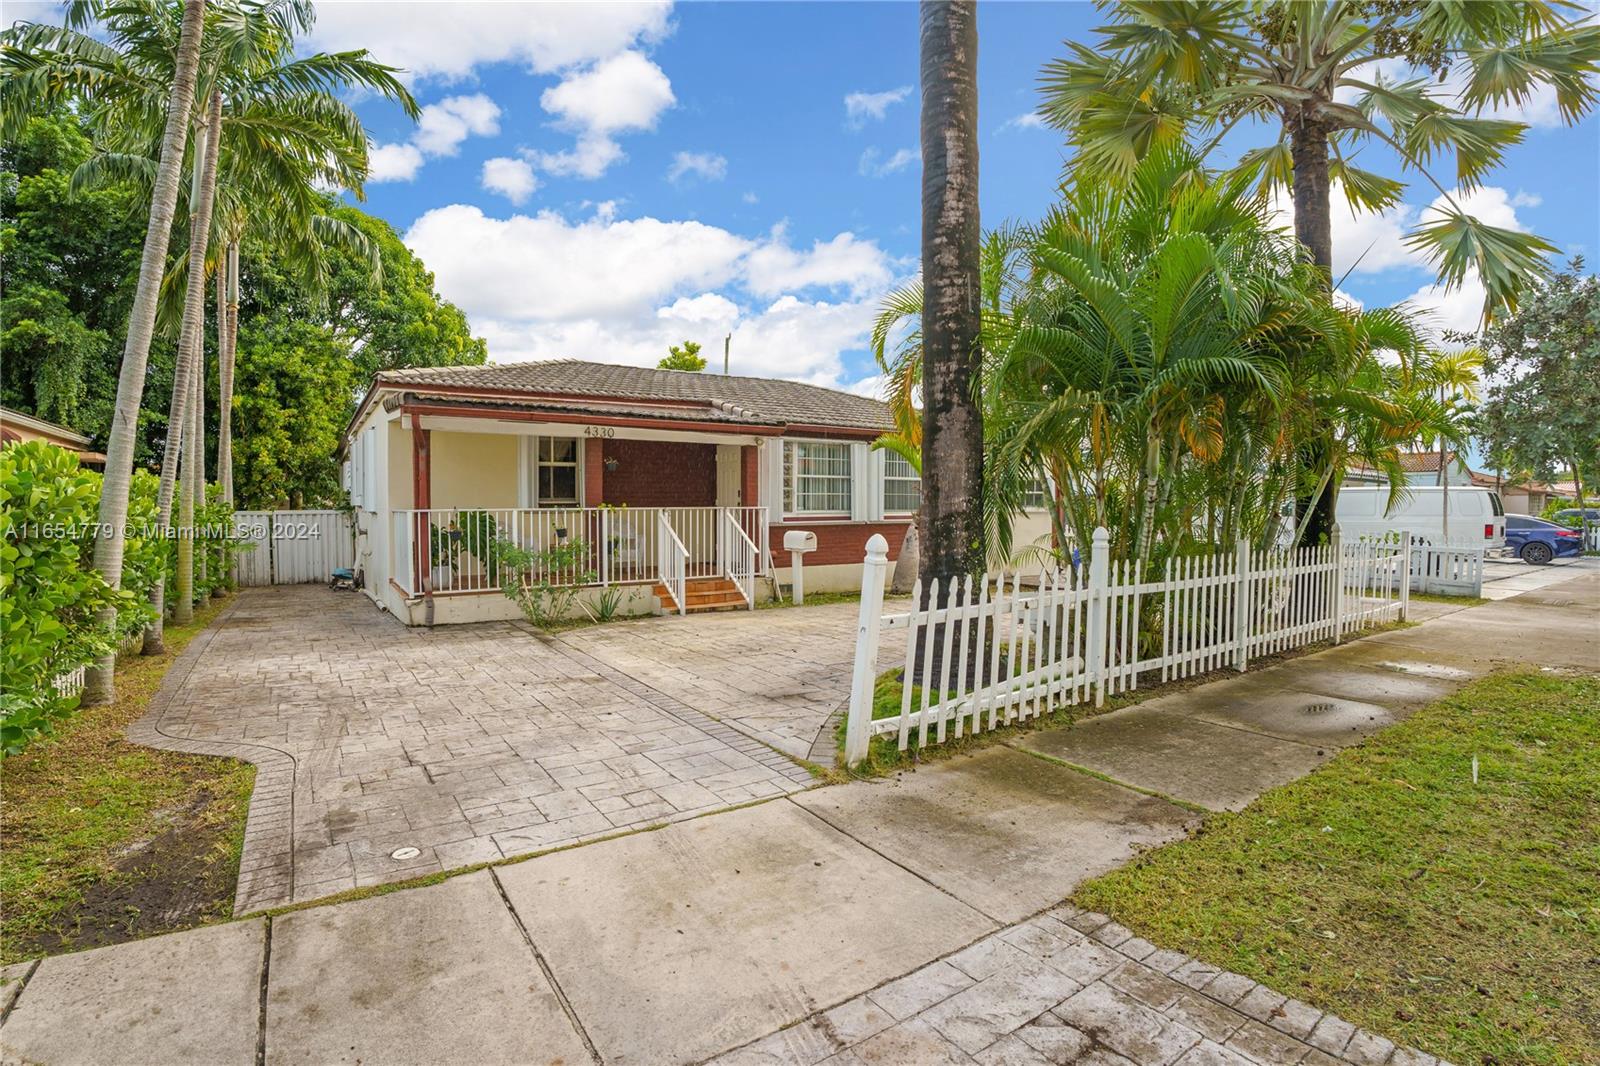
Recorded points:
620,290
623,93
447,42
874,165
512,178
393,162
861,107
444,125
706,165
440,130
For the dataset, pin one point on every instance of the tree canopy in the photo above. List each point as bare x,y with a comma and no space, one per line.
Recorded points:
685,356
71,263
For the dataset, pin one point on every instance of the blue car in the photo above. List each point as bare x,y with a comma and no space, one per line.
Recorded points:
1538,541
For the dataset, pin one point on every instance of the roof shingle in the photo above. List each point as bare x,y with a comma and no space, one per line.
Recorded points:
764,401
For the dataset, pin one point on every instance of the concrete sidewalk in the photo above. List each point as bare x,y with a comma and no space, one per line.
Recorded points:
906,920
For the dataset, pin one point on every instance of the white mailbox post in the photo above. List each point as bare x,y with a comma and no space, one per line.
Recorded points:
797,542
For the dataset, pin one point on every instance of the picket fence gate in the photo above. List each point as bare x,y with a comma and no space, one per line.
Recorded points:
1007,649
292,547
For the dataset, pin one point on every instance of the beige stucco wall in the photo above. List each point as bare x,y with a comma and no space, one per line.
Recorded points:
399,467
473,469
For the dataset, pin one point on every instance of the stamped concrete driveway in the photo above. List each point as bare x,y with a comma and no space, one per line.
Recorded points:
777,675
385,753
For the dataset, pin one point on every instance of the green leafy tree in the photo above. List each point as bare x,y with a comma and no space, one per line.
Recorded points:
71,262
684,357
297,385
1542,401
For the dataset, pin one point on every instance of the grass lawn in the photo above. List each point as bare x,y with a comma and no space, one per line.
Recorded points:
106,841
1388,887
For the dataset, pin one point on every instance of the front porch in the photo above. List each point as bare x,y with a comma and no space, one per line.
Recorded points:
687,557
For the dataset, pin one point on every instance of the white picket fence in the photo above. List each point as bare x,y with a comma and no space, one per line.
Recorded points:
998,651
292,547
1447,571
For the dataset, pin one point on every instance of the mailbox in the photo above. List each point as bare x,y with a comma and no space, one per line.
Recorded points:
797,542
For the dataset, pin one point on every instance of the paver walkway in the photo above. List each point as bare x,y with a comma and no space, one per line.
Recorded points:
461,745
907,920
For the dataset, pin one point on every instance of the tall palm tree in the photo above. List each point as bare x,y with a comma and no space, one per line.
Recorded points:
1163,64
31,83
952,419
282,132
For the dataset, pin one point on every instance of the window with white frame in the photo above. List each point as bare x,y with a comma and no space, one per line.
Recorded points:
816,478
369,469
1037,496
902,486
557,471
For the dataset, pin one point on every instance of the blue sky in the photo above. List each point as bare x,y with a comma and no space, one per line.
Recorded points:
598,182
601,180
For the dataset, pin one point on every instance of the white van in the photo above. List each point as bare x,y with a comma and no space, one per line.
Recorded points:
1475,517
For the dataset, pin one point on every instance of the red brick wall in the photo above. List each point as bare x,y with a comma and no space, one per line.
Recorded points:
749,476
839,542
594,472
656,473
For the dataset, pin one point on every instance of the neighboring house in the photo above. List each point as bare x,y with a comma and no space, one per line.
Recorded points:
1517,497
675,483
1421,468
16,427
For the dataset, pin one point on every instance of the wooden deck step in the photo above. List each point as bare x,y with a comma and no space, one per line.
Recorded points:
704,594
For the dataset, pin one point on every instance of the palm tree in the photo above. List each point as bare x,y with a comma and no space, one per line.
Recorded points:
952,420
287,134
32,84
1162,65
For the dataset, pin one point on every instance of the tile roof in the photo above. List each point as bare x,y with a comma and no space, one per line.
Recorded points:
657,411
755,401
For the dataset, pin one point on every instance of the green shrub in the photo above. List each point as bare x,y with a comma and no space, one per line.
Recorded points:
49,596
526,578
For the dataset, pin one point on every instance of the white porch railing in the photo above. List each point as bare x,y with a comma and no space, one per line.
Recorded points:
741,558
672,563
995,652
448,550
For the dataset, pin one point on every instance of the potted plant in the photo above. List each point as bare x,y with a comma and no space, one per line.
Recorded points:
444,548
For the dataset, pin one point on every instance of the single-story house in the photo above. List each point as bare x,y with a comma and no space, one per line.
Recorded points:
676,488
1421,470
17,428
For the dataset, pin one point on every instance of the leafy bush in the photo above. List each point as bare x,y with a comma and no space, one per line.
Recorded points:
526,578
49,596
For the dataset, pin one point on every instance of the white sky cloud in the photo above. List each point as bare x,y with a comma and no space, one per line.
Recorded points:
393,162
862,107
512,178
706,165
620,290
444,125
447,41
1028,120
874,165
620,94
440,130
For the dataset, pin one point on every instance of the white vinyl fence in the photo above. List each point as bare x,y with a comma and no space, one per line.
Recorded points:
292,547
998,651
1447,571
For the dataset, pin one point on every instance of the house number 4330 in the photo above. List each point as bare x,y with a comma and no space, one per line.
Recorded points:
599,431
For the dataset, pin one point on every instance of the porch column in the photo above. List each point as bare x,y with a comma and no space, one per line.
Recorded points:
594,472
749,476
421,500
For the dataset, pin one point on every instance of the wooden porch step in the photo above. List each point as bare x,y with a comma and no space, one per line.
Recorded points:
704,594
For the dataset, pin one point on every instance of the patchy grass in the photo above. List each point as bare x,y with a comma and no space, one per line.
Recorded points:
820,599
1459,601
1392,889
107,841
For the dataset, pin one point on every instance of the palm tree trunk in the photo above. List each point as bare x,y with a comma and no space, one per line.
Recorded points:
99,684
202,190
952,419
183,575
1313,226
226,347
